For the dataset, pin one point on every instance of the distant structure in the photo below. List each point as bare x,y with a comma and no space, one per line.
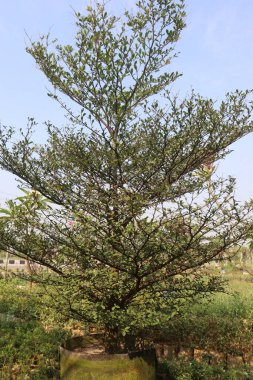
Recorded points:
14,264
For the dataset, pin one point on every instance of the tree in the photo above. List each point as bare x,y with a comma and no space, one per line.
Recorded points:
21,208
132,170
11,212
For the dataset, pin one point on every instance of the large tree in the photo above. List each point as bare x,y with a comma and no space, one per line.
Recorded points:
137,207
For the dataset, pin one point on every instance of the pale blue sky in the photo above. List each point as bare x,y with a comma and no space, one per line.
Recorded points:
216,57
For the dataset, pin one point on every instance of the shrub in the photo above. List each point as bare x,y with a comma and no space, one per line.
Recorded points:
193,370
28,350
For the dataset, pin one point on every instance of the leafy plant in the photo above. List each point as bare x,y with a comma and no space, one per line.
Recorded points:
183,370
137,208
28,349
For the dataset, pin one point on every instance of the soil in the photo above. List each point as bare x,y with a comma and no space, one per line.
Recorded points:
95,349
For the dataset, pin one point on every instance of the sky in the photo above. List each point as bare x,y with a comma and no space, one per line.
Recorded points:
216,55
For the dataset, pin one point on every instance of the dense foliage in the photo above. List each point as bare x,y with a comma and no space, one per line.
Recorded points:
222,327
135,209
212,339
29,342
193,370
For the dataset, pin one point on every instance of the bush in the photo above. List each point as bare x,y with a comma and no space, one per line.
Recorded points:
193,370
28,350
223,326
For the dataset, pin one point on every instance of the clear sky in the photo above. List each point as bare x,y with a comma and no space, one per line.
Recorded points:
216,57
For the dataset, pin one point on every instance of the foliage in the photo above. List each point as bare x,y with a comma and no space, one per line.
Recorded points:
27,349
185,370
217,334
220,328
223,325
132,172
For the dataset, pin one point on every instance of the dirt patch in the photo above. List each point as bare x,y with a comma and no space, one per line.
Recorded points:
94,349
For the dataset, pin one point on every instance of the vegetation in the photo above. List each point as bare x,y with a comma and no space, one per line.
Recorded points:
29,342
135,210
214,338
223,326
193,370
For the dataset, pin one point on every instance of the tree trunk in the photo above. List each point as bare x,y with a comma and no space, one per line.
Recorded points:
7,256
113,341
29,270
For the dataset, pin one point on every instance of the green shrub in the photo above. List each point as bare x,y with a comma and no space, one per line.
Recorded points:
28,350
193,370
223,325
